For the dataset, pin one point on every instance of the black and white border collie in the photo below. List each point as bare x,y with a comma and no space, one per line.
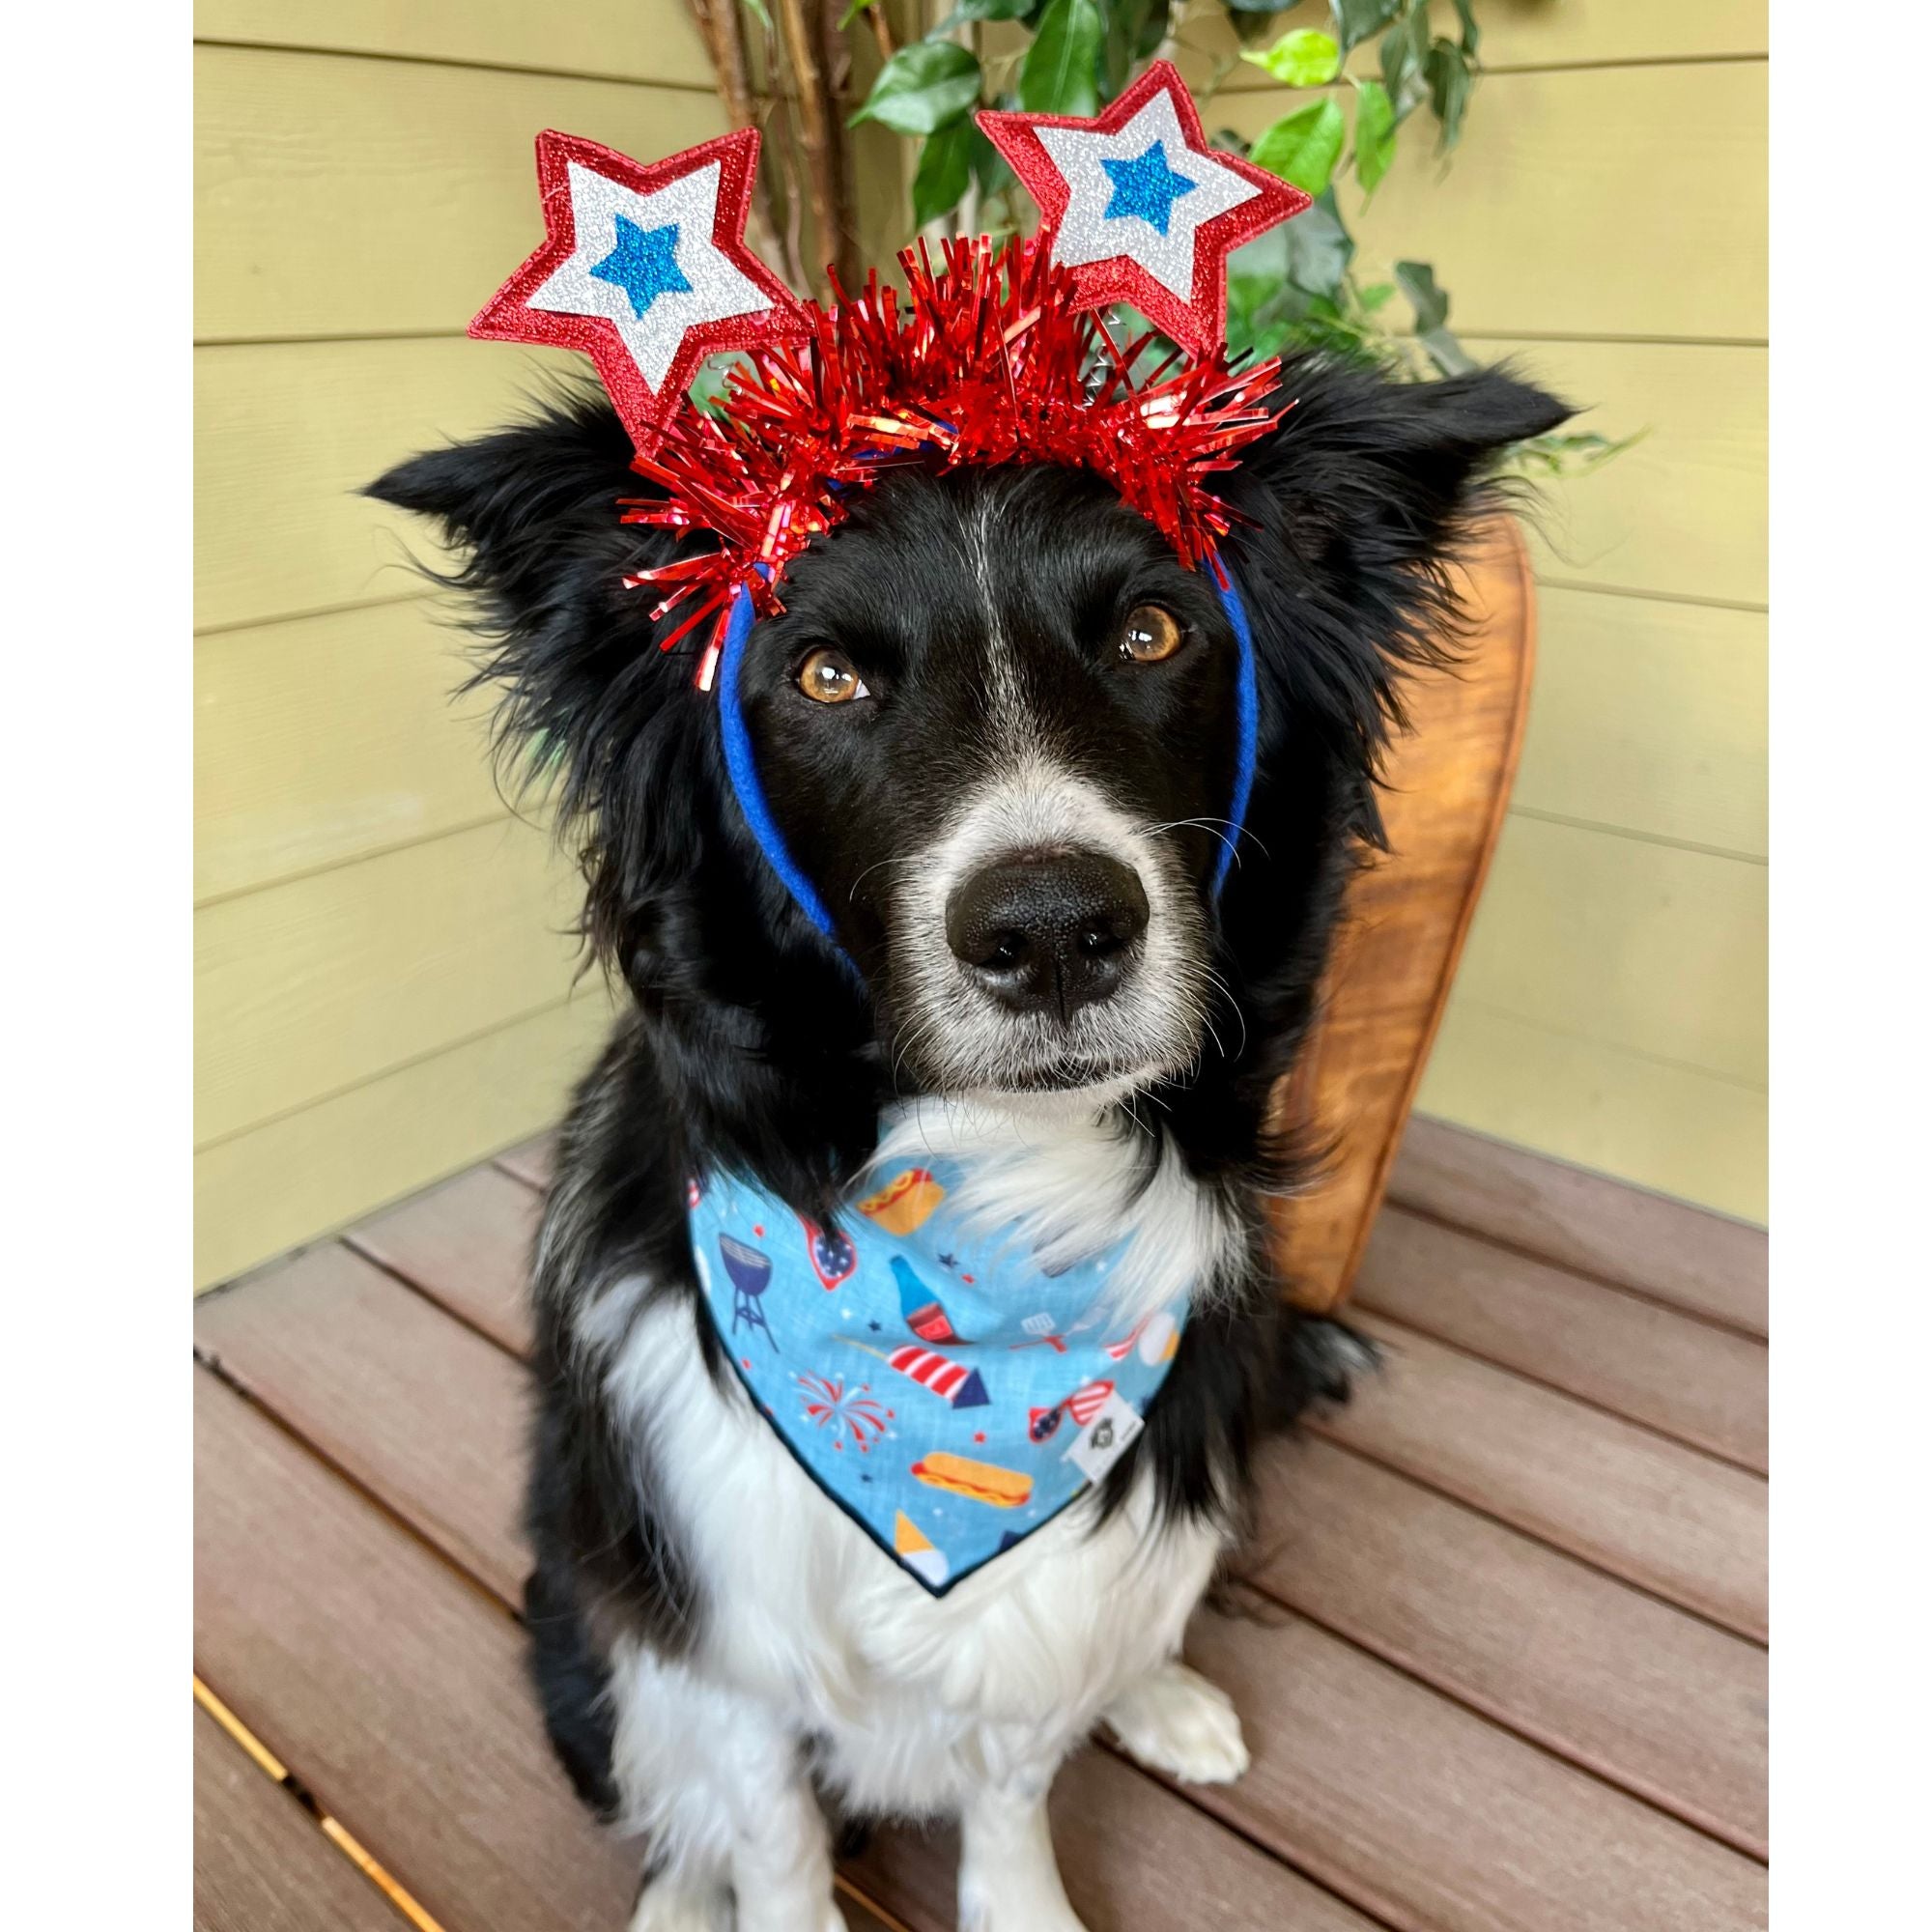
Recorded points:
980,674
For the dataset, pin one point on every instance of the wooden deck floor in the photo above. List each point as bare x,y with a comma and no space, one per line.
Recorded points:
1500,1659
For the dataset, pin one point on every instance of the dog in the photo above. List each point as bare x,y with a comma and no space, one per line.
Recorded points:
996,727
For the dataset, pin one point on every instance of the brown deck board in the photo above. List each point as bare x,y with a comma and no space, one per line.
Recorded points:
413,1406
1701,1260
1701,1383
260,1864
1658,1701
394,1691
1667,1517
533,1161
466,1244
1431,1817
388,1684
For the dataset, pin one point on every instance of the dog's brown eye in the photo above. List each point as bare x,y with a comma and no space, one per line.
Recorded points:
827,677
1151,635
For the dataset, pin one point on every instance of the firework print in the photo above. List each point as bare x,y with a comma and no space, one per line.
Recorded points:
947,1392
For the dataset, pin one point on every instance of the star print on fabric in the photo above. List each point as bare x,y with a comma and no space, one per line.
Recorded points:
1145,186
644,269
1140,207
643,264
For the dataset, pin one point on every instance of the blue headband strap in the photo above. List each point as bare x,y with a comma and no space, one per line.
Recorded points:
751,793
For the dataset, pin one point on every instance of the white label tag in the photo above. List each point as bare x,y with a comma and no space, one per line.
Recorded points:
1105,1439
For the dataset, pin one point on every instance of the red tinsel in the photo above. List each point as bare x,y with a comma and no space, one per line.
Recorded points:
984,360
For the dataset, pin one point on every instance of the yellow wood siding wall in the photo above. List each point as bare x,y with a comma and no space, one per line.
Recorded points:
384,991
1603,224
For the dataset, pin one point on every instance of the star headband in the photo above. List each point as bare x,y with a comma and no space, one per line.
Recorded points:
993,355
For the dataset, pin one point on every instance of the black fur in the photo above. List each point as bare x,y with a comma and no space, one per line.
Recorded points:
750,1043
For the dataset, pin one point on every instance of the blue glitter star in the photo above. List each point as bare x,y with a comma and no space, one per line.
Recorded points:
1145,186
873,1326
645,264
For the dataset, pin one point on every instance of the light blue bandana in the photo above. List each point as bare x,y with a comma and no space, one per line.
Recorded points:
944,1390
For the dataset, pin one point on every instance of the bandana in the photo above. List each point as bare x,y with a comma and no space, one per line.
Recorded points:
946,1391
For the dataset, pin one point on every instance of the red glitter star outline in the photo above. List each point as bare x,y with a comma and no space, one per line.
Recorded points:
1200,325
507,317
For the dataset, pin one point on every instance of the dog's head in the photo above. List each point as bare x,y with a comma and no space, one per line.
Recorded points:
995,727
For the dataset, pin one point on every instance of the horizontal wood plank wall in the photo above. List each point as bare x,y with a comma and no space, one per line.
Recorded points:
386,988
1603,226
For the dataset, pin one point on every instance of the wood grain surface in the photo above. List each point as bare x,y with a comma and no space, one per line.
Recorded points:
1648,1509
1700,1260
261,1863
1663,1704
466,1245
407,1402
1689,1378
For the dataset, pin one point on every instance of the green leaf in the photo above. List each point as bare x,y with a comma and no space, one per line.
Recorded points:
760,13
1405,53
1134,29
1448,355
1302,58
1376,295
1318,248
853,11
1472,35
1374,133
1057,76
923,88
1303,147
1449,81
976,10
1356,19
1417,281
945,167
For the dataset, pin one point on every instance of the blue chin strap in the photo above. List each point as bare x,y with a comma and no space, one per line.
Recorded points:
743,767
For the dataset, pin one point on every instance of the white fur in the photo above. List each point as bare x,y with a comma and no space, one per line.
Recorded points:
965,1039
962,1705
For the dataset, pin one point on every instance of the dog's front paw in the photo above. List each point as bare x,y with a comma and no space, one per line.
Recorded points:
978,1914
1175,1720
670,1907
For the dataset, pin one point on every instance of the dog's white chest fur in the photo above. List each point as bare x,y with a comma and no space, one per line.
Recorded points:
911,1702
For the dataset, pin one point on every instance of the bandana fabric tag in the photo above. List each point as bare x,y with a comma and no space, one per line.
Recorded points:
946,1391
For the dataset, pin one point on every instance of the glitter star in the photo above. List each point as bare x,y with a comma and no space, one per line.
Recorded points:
645,270
643,264
1140,207
1145,186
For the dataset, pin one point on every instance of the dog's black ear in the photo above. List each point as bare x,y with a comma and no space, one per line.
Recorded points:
588,707
1359,500
1368,474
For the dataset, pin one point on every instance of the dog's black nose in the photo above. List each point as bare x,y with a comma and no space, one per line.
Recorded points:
1048,932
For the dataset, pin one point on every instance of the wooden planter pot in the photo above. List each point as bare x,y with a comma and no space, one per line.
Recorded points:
1448,783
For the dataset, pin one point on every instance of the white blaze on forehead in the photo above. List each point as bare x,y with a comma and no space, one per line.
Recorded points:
718,289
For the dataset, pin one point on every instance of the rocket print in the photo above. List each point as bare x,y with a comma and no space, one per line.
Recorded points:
914,1548
940,1375
925,1313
